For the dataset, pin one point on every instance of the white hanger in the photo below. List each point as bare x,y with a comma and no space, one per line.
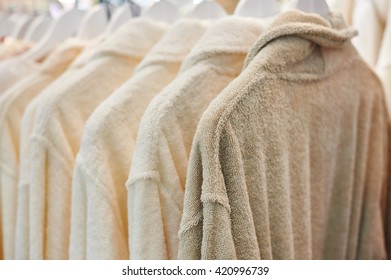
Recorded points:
7,26
38,28
207,9
257,8
21,27
120,16
127,11
313,6
94,22
163,10
63,27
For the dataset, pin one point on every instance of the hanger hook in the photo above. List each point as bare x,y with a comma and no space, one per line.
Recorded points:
108,5
135,9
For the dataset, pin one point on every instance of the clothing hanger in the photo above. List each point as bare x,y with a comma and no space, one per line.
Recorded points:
313,6
163,10
207,9
121,15
38,28
94,22
134,8
7,26
14,22
63,27
22,27
257,8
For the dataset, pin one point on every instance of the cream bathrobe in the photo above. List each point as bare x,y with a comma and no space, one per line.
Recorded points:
12,106
158,172
58,127
288,161
22,219
26,128
99,198
13,70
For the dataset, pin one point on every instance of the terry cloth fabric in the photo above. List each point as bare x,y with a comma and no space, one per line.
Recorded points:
13,70
12,106
22,219
370,28
27,122
58,127
158,172
288,162
99,198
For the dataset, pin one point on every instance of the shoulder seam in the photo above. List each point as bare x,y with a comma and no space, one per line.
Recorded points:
40,139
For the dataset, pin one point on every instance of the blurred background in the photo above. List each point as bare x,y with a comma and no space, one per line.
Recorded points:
41,6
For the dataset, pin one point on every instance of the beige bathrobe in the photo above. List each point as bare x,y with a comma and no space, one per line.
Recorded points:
99,198
289,162
58,127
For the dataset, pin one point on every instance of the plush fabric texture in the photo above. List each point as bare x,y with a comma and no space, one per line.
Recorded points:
99,198
12,106
13,70
58,127
288,161
158,171
370,28
26,129
22,219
